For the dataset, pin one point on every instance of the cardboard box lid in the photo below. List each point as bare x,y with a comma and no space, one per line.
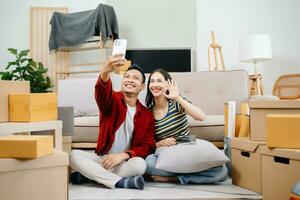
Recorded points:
34,95
243,143
274,104
23,137
9,82
293,154
290,116
58,158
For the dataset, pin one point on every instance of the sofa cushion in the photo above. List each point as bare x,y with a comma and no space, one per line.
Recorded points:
188,158
209,133
86,129
85,134
86,121
211,129
210,120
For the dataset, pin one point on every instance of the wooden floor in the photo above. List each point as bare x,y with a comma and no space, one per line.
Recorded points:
163,191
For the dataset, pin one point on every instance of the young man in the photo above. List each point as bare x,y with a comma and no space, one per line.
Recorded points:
126,133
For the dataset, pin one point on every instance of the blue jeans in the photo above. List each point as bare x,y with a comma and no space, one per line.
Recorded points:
212,175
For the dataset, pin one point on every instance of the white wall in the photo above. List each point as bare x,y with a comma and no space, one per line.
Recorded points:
158,23
231,19
182,23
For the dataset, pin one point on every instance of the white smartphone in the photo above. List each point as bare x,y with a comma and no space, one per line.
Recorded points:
119,47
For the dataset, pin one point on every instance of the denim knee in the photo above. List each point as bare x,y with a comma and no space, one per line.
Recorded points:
151,163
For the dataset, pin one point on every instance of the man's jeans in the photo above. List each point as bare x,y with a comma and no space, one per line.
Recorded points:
212,175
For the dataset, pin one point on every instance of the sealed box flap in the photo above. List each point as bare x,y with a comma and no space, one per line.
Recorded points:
280,116
24,137
243,143
23,95
274,104
58,158
293,154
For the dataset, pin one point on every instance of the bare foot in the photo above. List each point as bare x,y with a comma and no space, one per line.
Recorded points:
170,179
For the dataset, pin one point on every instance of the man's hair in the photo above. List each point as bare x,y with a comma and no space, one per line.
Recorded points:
137,67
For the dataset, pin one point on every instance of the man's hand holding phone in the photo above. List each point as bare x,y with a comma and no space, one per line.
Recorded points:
115,61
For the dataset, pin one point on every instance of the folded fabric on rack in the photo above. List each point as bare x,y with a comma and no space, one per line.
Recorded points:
69,30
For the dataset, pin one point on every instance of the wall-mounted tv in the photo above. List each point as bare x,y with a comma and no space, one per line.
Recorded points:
172,60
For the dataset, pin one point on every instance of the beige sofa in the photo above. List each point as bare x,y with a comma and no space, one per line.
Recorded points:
208,90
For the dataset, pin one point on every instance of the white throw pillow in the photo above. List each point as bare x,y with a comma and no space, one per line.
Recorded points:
189,158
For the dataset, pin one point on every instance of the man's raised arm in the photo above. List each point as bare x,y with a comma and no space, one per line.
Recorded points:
103,88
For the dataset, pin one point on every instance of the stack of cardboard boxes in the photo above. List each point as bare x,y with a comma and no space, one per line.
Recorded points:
29,166
268,161
17,104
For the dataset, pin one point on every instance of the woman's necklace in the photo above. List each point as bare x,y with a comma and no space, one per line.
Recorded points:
159,113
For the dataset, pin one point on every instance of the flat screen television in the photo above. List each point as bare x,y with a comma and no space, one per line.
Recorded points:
172,60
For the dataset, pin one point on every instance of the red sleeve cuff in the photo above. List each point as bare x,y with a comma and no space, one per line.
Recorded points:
131,153
101,81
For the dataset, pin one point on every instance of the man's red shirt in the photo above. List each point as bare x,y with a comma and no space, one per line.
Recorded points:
113,109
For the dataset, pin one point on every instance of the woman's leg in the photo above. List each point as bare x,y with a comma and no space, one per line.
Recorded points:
213,175
151,167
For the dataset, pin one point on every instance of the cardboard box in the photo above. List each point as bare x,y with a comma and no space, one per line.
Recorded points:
25,146
32,107
35,179
259,110
246,163
10,87
280,171
283,131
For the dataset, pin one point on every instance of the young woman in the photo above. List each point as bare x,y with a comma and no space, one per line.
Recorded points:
171,126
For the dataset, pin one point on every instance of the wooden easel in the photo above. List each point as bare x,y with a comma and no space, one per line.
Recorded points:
256,86
215,48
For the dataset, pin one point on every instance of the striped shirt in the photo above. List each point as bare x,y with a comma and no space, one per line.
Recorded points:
174,124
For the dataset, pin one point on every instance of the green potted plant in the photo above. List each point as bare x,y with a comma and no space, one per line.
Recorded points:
26,69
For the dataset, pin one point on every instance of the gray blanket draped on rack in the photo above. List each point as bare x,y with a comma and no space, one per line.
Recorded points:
68,30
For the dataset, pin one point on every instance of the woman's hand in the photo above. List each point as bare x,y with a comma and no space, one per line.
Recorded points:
166,142
189,108
171,90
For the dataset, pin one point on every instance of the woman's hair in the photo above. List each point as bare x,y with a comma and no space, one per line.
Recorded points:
149,97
